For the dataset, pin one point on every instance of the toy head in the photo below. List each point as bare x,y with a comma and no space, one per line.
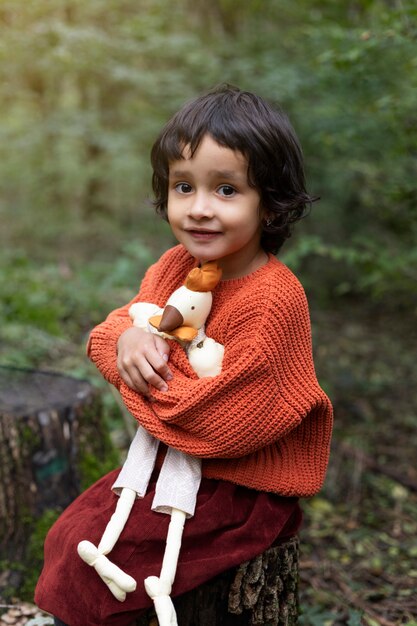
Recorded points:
190,304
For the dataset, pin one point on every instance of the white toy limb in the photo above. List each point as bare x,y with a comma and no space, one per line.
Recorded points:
159,589
205,356
117,581
178,483
117,521
173,545
139,463
142,453
140,312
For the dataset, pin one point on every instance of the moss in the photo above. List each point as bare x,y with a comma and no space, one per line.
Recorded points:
92,468
96,455
29,436
27,571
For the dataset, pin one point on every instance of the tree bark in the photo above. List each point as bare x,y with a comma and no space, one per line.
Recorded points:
48,423
263,591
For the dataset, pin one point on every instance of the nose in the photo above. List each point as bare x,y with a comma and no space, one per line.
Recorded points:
200,206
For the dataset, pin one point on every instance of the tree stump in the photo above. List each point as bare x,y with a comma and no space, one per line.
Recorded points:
50,425
263,591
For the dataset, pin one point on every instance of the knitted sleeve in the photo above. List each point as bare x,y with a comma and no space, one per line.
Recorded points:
266,388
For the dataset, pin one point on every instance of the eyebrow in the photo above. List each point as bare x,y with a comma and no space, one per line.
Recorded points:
227,174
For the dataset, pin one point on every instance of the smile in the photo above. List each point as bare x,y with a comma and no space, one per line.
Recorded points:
203,235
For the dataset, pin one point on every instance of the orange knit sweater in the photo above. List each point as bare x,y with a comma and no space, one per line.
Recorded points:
263,422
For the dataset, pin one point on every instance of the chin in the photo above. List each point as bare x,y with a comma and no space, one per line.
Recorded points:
203,255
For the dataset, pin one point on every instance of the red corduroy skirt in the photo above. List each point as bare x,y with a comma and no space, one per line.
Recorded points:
231,525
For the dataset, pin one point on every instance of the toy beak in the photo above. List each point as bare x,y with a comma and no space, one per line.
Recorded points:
171,319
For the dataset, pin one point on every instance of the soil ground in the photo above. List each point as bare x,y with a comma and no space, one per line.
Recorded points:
359,559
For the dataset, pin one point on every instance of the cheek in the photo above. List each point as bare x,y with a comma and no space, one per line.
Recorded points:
170,211
174,219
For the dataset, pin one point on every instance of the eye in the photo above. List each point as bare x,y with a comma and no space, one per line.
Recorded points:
192,308
227,191
183,188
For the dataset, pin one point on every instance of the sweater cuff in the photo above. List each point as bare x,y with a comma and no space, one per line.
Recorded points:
102,347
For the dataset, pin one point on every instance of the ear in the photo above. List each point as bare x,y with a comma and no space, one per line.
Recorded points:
267,219
263,214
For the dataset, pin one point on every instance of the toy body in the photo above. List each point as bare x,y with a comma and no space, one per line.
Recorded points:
177,486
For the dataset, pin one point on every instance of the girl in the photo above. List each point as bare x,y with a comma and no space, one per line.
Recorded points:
228,177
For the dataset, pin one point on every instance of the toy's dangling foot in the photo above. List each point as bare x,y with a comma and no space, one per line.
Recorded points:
158,590
116,579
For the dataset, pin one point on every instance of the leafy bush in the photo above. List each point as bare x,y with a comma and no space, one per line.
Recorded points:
89,85
47,309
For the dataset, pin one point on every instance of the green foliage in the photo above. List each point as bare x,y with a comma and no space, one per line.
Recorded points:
358,536
360,141
46,310
360,268
88,85
315,616
92,469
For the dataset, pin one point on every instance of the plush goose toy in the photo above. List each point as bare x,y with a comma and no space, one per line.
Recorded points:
183,319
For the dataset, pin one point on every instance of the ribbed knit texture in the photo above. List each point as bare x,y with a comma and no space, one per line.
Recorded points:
264,422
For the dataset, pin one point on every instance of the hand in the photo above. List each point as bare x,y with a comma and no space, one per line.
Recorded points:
142,360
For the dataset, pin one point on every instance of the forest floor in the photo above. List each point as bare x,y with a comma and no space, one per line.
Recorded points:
358,542
359,549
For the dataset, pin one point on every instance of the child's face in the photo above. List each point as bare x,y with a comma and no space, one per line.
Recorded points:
213,211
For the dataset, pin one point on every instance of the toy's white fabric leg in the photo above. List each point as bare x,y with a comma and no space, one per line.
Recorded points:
116,579
131,483
178,483
159,589
117,521
139,464
175,493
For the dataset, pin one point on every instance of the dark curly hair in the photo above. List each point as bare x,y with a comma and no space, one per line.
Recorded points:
241,121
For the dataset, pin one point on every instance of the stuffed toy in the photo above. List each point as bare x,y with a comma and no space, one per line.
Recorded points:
182,319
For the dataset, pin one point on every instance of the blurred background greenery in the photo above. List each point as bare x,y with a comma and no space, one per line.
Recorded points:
84,88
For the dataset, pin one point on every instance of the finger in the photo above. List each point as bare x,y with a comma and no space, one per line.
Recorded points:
158,360
148,370
133,379
162,347
140,369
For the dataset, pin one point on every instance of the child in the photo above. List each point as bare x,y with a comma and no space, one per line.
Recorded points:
228,176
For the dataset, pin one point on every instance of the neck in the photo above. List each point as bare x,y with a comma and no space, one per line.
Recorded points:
236,269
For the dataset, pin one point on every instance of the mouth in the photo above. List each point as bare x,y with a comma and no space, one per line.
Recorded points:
203,234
